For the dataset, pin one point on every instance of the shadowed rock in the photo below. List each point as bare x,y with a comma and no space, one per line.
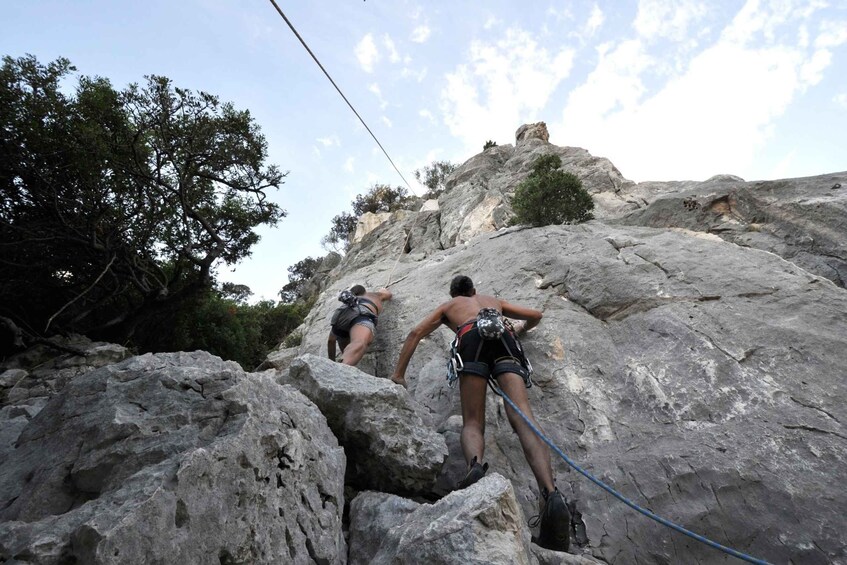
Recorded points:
387,444
480,524
173,458
803,220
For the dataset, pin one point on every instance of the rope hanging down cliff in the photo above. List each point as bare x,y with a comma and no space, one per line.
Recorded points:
290,25
314,57
616,494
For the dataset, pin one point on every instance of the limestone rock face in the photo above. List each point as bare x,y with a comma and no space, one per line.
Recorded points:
802,220
481,524
702,379
173,458
30,378
40,372
388,446
479,192
368,222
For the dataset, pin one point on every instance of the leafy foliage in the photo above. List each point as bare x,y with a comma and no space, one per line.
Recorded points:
299,275
232,330
489,144
115,207
341,233
550,196
293,339
434,177
380,198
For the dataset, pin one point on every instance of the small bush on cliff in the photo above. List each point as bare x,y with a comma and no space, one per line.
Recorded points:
379,198
434,177
489,144
550,196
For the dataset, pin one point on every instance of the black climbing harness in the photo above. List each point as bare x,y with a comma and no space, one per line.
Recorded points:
491,326
353,308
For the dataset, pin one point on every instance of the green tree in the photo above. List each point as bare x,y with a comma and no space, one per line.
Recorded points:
299,274
116,207
434,177
489,144
232,330
381,198
341,233
550,196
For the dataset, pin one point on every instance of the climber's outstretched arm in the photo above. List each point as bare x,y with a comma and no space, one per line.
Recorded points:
426,327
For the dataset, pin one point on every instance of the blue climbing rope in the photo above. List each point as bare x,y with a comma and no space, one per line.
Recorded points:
618,495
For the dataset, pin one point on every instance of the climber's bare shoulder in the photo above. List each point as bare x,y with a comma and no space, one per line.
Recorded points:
463,309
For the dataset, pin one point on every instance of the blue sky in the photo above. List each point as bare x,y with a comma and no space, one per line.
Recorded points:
668,90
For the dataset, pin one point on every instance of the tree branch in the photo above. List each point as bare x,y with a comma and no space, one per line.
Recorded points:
50,321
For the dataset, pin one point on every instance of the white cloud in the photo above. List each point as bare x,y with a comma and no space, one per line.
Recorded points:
831,34
348,164
711,116
374,87
841,100
367,53
667,18
426,114
419,76
329,140
420,34
491,21
595,20
386,121
503,85
393,55
562,14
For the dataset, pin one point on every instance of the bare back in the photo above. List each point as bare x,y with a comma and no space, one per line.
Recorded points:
377,298
463,309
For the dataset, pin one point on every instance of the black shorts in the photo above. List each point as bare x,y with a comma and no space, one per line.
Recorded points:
494,357
362,320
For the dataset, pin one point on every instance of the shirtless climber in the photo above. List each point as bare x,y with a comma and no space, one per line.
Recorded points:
501,359
354,323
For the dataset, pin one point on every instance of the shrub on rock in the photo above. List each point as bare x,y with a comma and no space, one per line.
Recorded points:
550,196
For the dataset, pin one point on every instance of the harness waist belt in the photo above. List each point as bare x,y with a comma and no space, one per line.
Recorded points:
465,328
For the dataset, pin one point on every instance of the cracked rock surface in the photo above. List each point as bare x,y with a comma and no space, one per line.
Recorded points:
702,379
173,458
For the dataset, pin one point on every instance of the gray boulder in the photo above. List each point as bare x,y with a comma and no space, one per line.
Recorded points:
173,458
42,370
388,445
480,524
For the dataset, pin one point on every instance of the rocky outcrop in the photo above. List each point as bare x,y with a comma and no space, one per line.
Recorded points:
30,378
481,524
700,378
803,220
367,222
388,445
173,458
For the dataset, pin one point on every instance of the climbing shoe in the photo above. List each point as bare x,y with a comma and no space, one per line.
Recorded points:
555,522
475,473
